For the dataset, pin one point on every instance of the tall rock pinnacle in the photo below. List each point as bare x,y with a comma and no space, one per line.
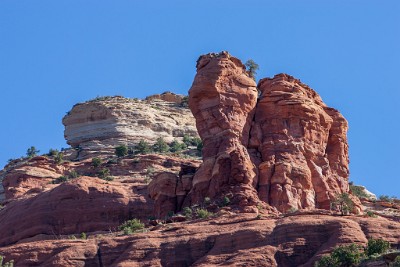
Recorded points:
223,99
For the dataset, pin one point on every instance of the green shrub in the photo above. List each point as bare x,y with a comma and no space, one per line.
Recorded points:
371,214
160,146
52,152
377,246
385,198
226,201
191,141
131,226
203,213
358,191
83,235
143,147
73,174
343,203
186,140
121,151
104,174
32,151
348,255
187,212
200,148
6,264
396,262
327,261
207,201
59,158
175,146
252,68
96,162
60,180
185,102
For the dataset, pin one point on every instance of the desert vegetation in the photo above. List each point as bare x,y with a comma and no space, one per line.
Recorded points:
354,254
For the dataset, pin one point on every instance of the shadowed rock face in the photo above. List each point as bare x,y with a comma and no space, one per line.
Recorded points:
297,145
222,100
302,146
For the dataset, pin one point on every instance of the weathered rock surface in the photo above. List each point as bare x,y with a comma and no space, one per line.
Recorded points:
30,176
99,125
85,204
169,190
238,240
222,99
302,146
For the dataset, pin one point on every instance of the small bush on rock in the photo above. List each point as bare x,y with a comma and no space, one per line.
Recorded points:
131,226
31,152
6,264
187,212
358,191
160,146
396,262
73,174
121,151
343,203
203,213
377,246
60,180
175,146
59,158
143,147
104,174
52,152
83,235
96,162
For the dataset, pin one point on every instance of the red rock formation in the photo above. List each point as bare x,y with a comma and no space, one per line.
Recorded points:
222,100
302,145
298,143
169,190
30,177
238,240
85,204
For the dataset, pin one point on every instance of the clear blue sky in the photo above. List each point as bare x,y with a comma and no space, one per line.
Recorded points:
54,54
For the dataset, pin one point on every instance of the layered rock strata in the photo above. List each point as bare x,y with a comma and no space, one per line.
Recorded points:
223,99
99,125
237,240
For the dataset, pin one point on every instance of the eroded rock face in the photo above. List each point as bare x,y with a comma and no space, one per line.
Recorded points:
302,146
222,99
239,241
85,204
289,145
99,125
